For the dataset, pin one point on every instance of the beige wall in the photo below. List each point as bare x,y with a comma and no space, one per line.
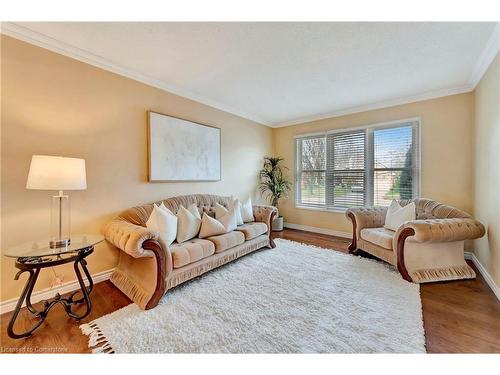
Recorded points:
447,149
54,105
487,168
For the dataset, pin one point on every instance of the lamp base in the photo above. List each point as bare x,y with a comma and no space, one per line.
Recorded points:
60,243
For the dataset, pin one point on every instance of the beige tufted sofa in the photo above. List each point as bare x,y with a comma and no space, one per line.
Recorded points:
430,248
148,268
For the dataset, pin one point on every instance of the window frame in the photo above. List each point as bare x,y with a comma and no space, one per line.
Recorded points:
369,159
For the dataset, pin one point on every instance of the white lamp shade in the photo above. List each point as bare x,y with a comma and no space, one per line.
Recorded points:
56,173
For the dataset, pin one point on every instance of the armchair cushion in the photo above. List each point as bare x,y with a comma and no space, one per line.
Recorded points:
379,236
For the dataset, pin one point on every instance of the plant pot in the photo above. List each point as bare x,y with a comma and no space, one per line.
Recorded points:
277,224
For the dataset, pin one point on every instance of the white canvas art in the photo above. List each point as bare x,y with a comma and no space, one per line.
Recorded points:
181,150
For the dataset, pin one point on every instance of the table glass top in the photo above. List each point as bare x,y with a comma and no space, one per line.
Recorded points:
41,247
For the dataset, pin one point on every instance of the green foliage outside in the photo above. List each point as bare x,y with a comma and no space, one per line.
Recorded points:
406,179
402,187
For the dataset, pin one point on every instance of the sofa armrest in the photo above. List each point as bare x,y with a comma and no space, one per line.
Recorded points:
443,230
140,242
263,213
266,214
433,230
129,237
367,217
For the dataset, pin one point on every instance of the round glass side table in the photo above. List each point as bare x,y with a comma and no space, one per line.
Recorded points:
31,257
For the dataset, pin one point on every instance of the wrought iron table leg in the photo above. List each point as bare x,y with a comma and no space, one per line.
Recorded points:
83,263
25,295
29,305
85,291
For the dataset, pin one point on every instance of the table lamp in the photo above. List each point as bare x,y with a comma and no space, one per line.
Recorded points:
57,173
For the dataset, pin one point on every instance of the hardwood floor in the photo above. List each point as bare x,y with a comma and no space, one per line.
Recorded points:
459,316
59,333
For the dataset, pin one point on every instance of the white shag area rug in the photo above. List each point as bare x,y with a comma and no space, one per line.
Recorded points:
292,299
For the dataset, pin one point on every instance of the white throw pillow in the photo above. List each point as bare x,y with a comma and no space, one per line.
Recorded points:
247,211
229,220
397,215
237,207
221,211
188,223
162,207
210,227
193,208
163,221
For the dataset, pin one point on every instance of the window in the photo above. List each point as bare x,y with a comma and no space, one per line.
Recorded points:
362,167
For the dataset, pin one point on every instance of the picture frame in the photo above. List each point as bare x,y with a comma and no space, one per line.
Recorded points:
181,150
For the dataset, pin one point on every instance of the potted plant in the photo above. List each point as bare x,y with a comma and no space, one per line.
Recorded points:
274,186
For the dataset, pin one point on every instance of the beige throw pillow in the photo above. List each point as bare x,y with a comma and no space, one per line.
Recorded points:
188,223
210,227
220,211
163,221
247,211
397,215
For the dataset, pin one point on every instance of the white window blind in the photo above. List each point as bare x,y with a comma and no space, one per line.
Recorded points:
362,167
312,159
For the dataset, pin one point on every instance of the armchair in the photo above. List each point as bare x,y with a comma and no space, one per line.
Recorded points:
428,249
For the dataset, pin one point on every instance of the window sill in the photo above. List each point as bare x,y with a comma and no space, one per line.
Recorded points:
336,210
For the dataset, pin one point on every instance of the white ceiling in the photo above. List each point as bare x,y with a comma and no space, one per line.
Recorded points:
281,73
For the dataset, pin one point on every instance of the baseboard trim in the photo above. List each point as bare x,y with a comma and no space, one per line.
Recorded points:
49,293
307,228
489,280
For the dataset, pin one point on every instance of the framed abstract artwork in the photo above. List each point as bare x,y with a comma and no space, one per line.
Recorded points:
181,150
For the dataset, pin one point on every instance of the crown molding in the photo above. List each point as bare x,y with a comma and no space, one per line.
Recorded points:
486,57
380,105
27,35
